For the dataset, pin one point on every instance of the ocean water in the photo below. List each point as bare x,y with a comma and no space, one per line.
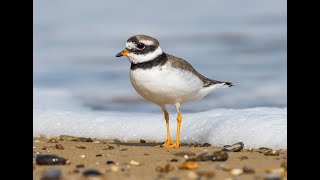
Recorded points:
78,81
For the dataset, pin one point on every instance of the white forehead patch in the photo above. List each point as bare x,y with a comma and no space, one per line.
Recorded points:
131,45
147,42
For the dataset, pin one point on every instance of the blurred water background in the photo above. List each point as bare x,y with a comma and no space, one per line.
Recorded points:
75,43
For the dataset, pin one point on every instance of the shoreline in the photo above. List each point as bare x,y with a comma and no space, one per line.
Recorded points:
147,160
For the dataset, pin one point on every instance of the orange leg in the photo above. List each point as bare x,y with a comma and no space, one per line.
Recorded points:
169,140
179,120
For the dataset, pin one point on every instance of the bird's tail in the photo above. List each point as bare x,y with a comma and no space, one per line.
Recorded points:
224,84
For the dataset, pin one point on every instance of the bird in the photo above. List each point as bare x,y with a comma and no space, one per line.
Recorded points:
165,79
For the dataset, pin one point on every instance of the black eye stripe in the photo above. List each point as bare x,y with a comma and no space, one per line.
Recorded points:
145,50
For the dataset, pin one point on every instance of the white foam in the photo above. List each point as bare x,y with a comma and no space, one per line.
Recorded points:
255,127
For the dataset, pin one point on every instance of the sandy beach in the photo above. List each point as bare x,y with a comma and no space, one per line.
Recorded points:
147,160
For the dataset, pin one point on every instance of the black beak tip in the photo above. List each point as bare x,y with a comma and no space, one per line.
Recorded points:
119,55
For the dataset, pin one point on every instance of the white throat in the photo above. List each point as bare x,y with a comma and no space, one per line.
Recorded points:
135,59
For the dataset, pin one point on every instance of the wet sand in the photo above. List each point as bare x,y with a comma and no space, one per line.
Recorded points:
135,160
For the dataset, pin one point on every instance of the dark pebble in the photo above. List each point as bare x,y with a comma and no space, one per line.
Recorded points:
110,162
82,139
219,156
91,172
47,159
52,141
81,147
204,156
234,147
109,148
43,148
59,146
80,166
174,160
248,170
98,155
51,174
206,145
142,141
123,149
243,157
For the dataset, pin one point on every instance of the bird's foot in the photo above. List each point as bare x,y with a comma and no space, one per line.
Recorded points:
174,145
167,143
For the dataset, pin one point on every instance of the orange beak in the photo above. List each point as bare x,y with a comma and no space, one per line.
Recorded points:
122,53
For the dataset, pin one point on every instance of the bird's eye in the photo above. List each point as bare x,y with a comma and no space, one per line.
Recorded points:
140,45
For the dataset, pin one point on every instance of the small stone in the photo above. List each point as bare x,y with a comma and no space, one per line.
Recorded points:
109,148
80,166
96,142
234,148
47,159
44,148
146,154
82,139
83,156
81,147
243,157
248,170
277,170
123,149
52,141
192,175
207,174
59,146
91,172
76,171
167,168
272,176
271,153
142,141
183,153
110,162
114,168
51,174
134,163
206,145
68,162
174,160
204,156
186,156
98,155
236,172
219,156
263,149
188,165
35,153
37,141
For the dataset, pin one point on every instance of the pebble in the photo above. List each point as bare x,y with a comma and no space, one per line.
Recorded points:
146,154
142,141
52,141
91,172
35,153
51,174
236,172
109,148
183,153
272,176
80,166
243,157
206,145
47,159
82,139
110,162
207,174
248,170
234,147
219,156
174,160
277,170
167,168
81,147
263,149
83,156
188,165
271,153
123,149
114,168
59,146
98,155
134,163
36,141
204,156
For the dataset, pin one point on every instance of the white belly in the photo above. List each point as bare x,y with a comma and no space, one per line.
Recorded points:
167,85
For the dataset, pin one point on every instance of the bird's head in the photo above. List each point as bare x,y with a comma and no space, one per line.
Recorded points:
141,48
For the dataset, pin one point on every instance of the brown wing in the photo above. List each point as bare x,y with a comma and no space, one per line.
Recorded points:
180,63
